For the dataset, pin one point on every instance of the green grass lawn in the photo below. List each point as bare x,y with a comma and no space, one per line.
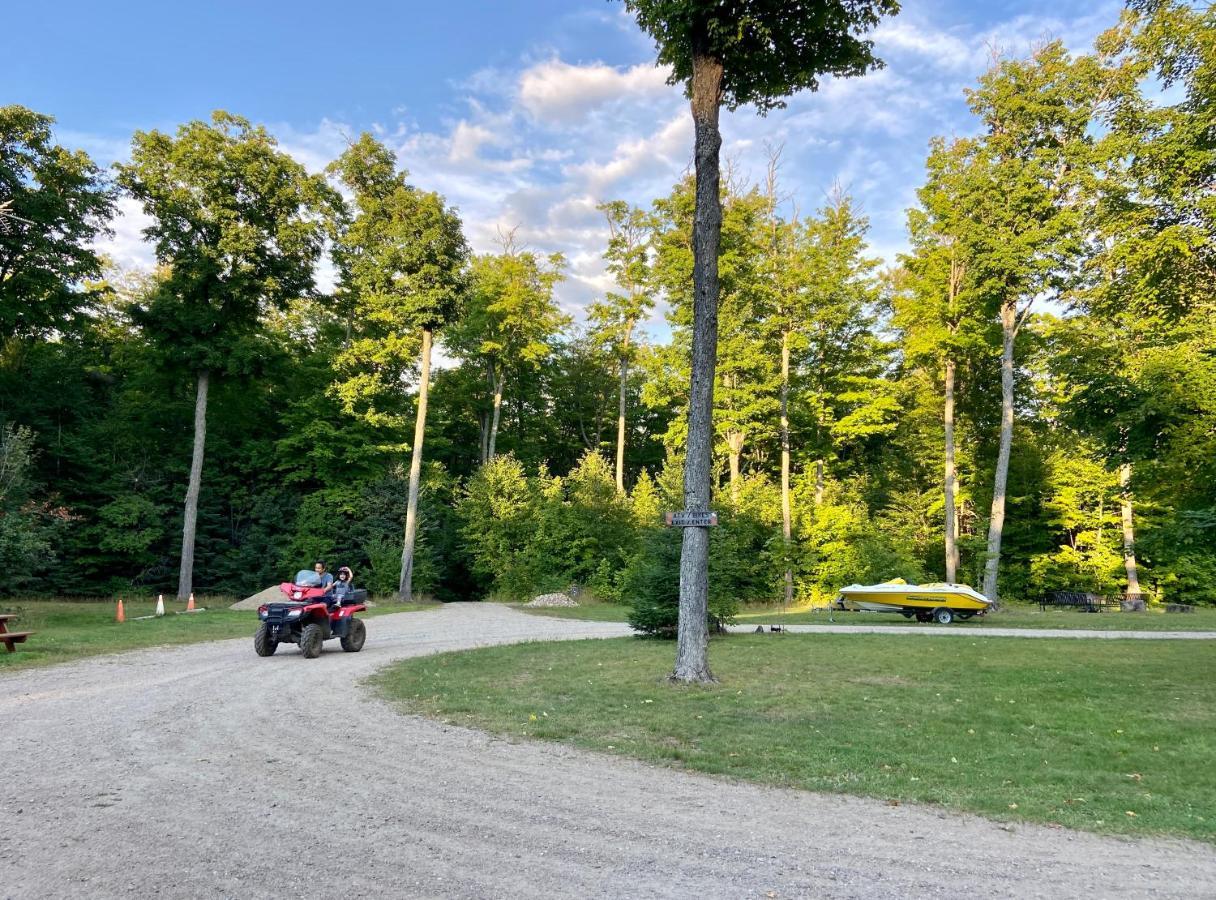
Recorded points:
1009,616
1112,736
68,631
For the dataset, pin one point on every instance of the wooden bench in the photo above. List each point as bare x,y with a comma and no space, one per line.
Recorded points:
11,638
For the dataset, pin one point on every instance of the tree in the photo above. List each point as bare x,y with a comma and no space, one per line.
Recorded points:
1023,178
510,322
745,372
841,361
54,204
1155,253
402,261
615,319
754,52
240,225
937,303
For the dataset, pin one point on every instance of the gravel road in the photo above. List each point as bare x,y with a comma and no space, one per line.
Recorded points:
204,771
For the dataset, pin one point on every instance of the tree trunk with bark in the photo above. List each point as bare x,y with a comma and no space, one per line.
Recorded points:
951,487
620,418
185,577
692,650
1129,534
734,445
497,383
787,517
406,587
996,523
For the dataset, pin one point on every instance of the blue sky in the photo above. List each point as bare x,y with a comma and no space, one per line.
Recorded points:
522,114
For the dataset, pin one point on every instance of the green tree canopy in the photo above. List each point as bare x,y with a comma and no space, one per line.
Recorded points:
54,203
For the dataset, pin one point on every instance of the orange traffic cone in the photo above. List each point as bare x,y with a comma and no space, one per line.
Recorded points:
121,616
190,604
160,604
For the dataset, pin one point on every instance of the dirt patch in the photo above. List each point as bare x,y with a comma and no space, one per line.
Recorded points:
270,595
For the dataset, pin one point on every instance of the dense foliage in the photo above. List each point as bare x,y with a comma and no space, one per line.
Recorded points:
1083,203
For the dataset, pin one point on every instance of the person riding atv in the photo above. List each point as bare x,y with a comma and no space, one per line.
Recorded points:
314,613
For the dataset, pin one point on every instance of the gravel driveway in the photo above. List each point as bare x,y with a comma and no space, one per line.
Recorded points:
204,771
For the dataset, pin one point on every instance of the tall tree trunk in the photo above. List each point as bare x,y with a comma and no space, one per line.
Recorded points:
692,650
996,523
406,588
734,444
499,378
185,577
951,488
620,418
1129,534
787,518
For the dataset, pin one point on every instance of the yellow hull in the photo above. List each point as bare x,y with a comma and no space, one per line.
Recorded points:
900,597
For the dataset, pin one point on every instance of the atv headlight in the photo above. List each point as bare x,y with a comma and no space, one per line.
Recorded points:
294,614
262,614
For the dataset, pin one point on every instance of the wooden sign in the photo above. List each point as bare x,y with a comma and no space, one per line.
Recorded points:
685,519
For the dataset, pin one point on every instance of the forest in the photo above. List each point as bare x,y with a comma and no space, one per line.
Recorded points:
1024,401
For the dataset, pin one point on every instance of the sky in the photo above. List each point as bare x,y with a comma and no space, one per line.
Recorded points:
523,113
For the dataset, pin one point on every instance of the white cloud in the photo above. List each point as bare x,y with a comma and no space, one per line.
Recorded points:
466,139
558,92
667,149
126,247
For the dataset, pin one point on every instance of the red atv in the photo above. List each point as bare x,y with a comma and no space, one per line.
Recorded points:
310,616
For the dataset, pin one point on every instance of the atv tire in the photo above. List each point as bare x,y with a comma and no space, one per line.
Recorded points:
262,644
356,634
311,640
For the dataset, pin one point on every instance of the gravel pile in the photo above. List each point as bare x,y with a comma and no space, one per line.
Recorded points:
551,600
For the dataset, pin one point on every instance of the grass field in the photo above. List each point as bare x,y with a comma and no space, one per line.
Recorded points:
68,631
1009,616
1108,736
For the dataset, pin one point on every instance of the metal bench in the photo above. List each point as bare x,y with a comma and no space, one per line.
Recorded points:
1081,600
11,638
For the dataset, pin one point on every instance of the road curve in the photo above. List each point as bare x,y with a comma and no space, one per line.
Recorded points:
204,771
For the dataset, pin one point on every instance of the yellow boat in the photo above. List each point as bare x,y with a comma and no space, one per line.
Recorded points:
942,603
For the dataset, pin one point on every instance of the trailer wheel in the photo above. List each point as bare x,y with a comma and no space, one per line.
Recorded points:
943,616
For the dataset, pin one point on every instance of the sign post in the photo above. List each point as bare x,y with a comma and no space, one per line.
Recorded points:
686,519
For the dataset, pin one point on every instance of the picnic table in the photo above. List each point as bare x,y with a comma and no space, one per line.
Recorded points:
11,638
